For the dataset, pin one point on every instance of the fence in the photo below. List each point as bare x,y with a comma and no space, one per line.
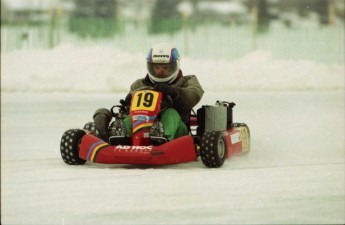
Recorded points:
208,40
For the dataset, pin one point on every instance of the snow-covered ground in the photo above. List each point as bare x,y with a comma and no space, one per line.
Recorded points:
294,173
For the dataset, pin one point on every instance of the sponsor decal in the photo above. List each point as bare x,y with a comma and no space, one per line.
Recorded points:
142,150
245,138
161,56
235,138
141,121
129,147
141,118
141,111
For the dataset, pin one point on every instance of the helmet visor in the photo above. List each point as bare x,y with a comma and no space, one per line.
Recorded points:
161,70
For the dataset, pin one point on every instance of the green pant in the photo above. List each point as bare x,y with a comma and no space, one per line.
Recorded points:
172,124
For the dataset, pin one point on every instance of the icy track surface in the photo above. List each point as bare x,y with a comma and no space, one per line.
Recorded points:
293,174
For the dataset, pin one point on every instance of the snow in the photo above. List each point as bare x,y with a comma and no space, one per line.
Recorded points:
30,4
295,172
108,69
221,7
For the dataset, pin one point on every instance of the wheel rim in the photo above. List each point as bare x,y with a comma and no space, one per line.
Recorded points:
221,148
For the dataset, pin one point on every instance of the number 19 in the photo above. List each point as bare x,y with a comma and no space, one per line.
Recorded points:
148,99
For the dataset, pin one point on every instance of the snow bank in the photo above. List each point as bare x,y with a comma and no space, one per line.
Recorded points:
105,69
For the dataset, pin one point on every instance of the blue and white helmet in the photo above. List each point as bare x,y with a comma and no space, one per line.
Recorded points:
167,55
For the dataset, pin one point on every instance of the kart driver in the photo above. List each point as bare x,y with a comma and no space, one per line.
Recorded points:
164,75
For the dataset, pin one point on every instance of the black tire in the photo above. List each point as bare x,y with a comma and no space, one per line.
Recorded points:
213,149
69,147
90,126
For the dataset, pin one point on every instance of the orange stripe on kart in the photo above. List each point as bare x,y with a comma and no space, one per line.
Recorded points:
142,126
96,149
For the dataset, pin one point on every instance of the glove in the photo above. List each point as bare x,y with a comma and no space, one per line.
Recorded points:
166,90
127,101
102,118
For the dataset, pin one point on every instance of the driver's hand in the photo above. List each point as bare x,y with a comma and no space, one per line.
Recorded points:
127,101
166,90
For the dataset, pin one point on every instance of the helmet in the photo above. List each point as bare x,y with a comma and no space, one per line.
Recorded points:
166,56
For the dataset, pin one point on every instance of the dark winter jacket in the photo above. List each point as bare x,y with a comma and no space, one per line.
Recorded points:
189,93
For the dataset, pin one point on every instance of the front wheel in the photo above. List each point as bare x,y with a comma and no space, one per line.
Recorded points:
213,149
69,147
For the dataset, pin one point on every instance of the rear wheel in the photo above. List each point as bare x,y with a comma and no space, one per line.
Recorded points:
213,149
69,147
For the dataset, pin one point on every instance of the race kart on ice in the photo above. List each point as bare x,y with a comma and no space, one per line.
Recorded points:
213,136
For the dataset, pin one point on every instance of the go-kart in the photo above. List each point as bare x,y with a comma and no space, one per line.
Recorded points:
212,135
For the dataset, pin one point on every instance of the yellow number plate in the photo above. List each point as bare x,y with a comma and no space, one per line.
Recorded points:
144,100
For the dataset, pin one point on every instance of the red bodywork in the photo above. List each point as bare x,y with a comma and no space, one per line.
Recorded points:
237,141
179,150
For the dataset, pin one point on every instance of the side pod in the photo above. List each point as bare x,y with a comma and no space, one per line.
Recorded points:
238,140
